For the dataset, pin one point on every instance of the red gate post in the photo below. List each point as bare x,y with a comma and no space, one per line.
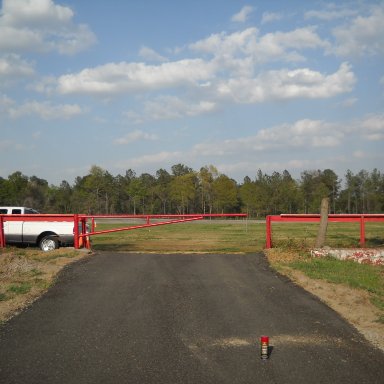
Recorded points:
268,243
86,242
2,236
362,231
76,231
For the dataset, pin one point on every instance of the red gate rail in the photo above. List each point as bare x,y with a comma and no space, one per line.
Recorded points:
172,219
344,218
81,232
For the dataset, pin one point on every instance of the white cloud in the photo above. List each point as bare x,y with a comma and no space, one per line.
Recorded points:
135,136
285,84
372,126
350,102
270,17
250,168
13,67
168,107
261,49
151,55
45,110
222,44
41,26
243,15
115,78
5,102
300,137
285,45
150,160
331,12
27,12
362,36
304,133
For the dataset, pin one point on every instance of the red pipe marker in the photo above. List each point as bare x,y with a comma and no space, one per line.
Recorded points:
264,347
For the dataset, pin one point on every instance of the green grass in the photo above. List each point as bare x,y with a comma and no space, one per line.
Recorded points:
337,271
20,289
339,235
361,276
207,236
3,297
239,236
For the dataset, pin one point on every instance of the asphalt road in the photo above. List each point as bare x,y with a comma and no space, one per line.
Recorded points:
140,318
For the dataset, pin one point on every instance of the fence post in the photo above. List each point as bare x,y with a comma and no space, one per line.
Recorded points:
362,231
268,243
2,236
322,232
76,231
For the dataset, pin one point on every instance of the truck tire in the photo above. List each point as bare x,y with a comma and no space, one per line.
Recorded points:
48,243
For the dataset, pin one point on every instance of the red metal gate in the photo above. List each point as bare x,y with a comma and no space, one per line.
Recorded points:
357,218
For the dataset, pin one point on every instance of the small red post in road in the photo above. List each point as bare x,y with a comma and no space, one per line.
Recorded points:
264,347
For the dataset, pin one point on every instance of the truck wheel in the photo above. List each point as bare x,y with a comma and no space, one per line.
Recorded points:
48,243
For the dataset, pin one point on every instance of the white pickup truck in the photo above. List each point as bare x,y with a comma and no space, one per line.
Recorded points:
47,235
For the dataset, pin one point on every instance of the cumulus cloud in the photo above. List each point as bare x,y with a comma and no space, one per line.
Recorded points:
13,66
243,15
300,134
285,84
260,49
372,127
44,110
332,11
229,67
115,78
270,17
228,74
135,136
305,134
41,26
168,107
362,36
151,55
154,159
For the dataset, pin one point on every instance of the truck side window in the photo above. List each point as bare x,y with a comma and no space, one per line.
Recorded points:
16,211
3,211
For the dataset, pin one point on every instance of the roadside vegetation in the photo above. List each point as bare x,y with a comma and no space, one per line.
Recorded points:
26,273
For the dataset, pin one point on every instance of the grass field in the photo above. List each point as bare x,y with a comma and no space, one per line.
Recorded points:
232,236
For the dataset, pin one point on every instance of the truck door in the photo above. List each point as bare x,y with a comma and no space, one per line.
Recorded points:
13,230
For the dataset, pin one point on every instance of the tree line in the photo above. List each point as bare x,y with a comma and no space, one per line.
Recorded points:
184,190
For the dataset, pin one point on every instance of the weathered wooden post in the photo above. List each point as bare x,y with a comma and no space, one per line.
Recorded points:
321,235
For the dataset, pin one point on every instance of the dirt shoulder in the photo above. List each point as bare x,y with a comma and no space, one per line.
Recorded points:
353,305
25,274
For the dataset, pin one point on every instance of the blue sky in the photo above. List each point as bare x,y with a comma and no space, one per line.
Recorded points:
146,84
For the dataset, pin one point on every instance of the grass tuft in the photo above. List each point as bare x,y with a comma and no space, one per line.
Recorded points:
19,289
